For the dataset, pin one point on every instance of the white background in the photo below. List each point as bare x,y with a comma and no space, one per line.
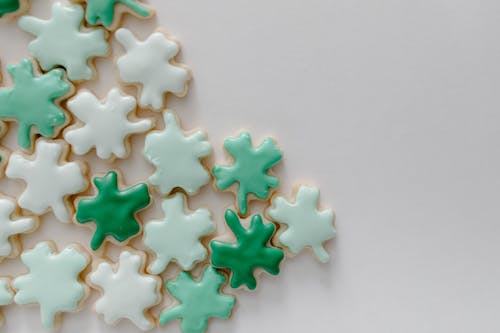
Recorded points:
390,107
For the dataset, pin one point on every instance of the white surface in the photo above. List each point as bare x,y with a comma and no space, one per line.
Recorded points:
390,107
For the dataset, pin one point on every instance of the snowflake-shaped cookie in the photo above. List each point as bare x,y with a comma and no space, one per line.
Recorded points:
31,101
9,228
250,251
6,294
150,63
61,42
249,169
52,281
127,293
307,226
177,157
49,181
176,237
106,124
199,301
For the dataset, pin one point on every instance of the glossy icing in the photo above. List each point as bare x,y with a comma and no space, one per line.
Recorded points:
249,252
177,157
31,101
60,41
199,301
106,125
176,237
113,210
9,6
249,169
52,281
48,182
103,11
9,227
306,225
127,293
150,64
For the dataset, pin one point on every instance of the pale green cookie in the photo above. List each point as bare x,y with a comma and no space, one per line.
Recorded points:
306,225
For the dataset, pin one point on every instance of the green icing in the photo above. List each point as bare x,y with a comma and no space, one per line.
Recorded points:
113,210
248,253
104,10
8,6
31,101
249,169
199,301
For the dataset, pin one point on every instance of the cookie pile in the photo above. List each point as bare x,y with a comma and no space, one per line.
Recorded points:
55,119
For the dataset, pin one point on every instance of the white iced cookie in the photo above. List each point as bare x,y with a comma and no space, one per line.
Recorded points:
177,236
6,295
106,125
10,229
176,157
52,281
150,63
49,180
127,293
307,226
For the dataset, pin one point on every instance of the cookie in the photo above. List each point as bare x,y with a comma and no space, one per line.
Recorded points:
11,226
34,102
53,281
127,293
249,171
113,210
6,295
61,41
176,157
4,152
150,65
12,8
105,126
50,180
177,236
250,252
109,12
199,301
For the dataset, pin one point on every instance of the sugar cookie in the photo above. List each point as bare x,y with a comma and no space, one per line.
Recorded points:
33,101
61,41
249,169
106,126
177,236
113,210
50,180
199,301
251,251
176,157
127,292
150,64
52,281
12,8
6,295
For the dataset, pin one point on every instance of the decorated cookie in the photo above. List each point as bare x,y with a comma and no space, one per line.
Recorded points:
11,225
109,12
6,294
176,157
249,169
199,301
306,225
52,281
151,65
33,101
113,210
177,236
251,251
50,181
106,125
61,41
10,8
126,291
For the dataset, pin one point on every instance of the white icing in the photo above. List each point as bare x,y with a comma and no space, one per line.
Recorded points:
6,295
176,237
126,292
106,125
150,63
47,182
10,227
177,157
